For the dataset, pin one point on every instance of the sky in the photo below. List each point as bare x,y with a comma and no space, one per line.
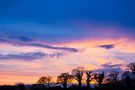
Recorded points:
48,37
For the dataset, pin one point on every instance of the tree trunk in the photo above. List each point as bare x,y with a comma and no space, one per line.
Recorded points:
80,84
48,85
99,85
65,85
88,84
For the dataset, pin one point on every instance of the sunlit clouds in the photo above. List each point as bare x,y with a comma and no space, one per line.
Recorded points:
33,62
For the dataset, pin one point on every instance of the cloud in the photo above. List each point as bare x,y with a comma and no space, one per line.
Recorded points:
107,46
66,32
29,56
53,47
108,67
122,56
57,55
23,56
25,41
22,38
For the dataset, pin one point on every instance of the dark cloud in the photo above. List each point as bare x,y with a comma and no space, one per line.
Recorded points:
53,47
22,38
25,41
110,65
29,56
107,46
24,56
15,39
6,37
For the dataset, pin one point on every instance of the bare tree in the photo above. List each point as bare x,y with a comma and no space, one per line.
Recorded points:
113,77
49,80
89,77
131,67
64,79
45,80
78,74
99,78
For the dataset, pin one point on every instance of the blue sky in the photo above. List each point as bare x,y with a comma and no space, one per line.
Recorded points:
53,11
58,18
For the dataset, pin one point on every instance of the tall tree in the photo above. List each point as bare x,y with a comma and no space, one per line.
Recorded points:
45,80
78,74
89,77
64,79
99,78
49,80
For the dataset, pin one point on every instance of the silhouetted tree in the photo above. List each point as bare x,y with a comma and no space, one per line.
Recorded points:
126,78
131,67
20,86
45,80
99,78
89,77
49,79
64,78
78,74
113,77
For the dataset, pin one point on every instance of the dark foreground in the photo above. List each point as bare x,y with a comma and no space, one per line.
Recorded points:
39,87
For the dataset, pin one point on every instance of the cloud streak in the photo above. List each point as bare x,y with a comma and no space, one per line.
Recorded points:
110,65
29,56
22,56
24,41
107,46
53,47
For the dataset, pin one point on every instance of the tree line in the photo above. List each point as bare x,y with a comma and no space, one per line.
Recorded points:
101,79
112,81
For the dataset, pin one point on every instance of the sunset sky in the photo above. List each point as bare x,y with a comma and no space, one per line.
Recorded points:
48,37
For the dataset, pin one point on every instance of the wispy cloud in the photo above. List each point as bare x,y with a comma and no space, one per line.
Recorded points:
25,41
122,56
53,47
22,56
110,65
107,46
29,56
22,38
